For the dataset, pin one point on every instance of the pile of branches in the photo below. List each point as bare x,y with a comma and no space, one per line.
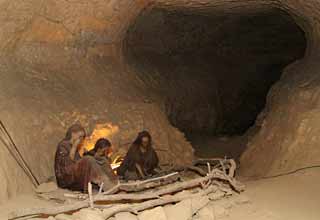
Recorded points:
141,195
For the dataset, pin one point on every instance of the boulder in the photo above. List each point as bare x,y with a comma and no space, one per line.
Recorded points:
184,210
125,216
153,214
88,214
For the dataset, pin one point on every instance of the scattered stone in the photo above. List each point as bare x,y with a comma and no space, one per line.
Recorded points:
154,214
89,214
216,195
125,216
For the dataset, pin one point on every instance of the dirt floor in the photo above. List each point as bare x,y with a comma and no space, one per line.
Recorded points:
293,197
290,197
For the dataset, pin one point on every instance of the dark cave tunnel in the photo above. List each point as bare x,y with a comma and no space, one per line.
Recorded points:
213,70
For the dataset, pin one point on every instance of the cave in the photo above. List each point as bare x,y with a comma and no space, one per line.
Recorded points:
207,78
213,70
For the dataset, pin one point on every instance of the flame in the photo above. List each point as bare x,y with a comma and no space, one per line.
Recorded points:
116,162
106,130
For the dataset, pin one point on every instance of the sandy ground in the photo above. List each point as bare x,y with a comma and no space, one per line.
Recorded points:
291,197
23,201
294,197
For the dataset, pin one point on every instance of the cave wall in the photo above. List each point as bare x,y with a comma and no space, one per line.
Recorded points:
288,135
61,61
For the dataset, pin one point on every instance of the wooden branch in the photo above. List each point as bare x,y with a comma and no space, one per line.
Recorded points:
232,168
195,169
135,208
145,184
214,175
209,167
75,196
225,164
101,188
90,195
80,204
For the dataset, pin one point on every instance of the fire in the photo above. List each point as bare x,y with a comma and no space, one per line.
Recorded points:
100,131
116,162
106,130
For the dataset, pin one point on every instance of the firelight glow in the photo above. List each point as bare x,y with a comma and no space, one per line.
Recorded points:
106,130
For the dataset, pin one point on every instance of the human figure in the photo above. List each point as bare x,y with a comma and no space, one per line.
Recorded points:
101,151
140,160
72,171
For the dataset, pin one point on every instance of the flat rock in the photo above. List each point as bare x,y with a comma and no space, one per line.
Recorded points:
65,217
206,213
216,195
153,214
240,200
184,210
220,211
46,187
125,216
88,214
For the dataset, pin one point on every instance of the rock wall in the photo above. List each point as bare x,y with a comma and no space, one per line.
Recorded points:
288,135
61,61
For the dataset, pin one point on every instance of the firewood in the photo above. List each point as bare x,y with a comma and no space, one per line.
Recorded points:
198,170
225,164
135,208
145,184
79,205
214,175
90,195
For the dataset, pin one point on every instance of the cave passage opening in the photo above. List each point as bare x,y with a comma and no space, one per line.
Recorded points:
212,70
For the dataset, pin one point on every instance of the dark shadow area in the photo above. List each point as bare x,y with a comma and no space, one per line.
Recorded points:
214,71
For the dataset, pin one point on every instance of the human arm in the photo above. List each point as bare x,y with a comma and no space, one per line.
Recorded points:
140,171
73,150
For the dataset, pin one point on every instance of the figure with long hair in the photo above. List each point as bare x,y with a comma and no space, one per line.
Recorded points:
72,171
101,151
140,160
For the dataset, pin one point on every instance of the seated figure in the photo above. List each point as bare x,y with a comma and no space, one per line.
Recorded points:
140,160
72,171
101,151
